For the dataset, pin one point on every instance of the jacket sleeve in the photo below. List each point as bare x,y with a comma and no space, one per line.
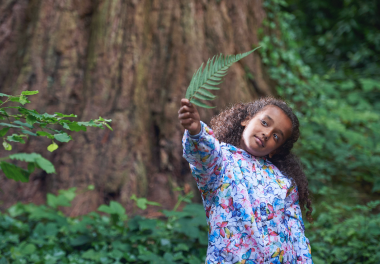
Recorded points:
296,227
203,152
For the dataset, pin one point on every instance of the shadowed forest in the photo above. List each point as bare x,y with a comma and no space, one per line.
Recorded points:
91,164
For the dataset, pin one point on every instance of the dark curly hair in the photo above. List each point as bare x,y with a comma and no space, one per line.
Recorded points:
227,128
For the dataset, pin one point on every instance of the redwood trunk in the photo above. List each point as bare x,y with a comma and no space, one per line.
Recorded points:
130,61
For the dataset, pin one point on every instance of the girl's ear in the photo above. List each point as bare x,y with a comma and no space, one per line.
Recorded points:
245,122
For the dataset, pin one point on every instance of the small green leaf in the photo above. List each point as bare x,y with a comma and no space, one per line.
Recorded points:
53,146
2,94
23,100
15,99
108,126
23,124
31,119
16,138
9,125
4,131
91,187
28,132
14,172
46,134
62,115
63,137
7,146
74,127
29,92
34,157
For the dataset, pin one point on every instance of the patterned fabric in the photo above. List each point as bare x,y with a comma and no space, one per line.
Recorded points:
252,211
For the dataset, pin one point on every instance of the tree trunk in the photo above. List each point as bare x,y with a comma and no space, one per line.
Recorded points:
130,61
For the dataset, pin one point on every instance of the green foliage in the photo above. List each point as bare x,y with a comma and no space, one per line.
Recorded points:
42,234
207,78
341,34
336,97
47,125
345,234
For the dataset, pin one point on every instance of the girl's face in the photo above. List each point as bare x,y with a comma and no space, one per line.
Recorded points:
266,131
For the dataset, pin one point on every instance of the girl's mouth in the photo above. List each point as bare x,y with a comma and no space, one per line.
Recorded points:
259,141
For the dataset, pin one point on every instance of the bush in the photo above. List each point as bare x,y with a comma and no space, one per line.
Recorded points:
42,234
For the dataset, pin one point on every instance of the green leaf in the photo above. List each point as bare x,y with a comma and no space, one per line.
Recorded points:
7,146
23,100
14,172
4,131
55,201
63,137
23,124
46,134
113,208
214,70
28,132
14,99
107,125
29,92
53,146
91,187
16,138
74,127
62,115
9,125
200,104
34,157
31,119
31,166
3,94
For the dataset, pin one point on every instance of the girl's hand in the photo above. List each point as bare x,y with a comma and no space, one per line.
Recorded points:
189,117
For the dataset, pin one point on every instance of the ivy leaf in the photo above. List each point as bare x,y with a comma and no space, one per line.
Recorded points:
4,131
53,146
7,146
29,92
207,78
14,172
63,137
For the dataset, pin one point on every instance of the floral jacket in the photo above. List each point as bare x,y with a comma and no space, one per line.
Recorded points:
252,210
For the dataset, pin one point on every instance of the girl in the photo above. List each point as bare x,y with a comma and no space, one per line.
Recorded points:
252,187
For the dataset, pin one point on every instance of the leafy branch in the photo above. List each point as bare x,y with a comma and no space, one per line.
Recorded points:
206,79
47,127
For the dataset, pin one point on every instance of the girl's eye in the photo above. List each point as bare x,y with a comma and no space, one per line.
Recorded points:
264,123
275,137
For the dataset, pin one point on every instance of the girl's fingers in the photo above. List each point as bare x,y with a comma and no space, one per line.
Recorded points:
185,109
188,121
185,115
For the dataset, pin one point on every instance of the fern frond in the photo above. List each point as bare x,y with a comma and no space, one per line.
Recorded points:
207,79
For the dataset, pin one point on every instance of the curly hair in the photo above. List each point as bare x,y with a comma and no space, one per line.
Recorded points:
227,128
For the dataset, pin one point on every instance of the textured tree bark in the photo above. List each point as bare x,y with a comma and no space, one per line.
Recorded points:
130,61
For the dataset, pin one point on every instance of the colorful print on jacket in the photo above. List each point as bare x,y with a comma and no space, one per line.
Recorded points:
252,211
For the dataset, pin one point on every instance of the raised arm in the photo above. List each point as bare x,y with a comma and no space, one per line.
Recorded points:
200,148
